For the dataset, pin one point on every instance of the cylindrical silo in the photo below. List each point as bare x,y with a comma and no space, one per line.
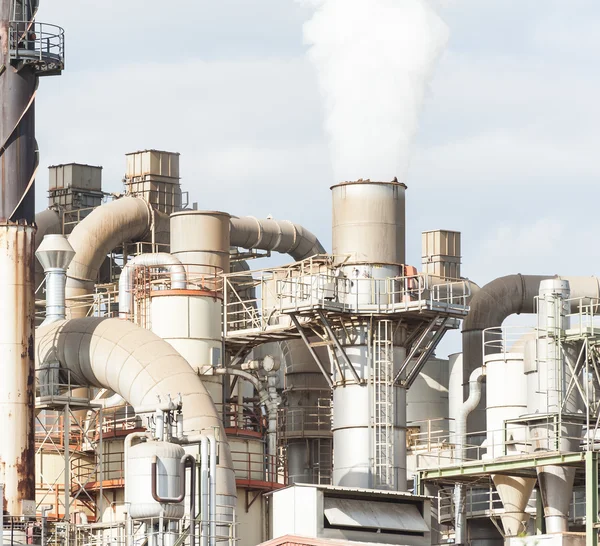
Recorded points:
307,415
369,415
190,319
507,399
369,222
369,407
201,238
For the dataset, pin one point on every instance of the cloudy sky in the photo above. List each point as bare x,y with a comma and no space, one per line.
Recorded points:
507,150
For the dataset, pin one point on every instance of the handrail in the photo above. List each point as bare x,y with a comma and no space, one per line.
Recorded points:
279,292
39,43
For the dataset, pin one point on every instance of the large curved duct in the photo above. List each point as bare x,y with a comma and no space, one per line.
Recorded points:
141,367
496,301
104,229
275,235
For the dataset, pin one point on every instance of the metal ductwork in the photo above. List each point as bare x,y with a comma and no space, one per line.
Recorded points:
162,260
122,220
496,301
55,254
276,236
142,368
475,381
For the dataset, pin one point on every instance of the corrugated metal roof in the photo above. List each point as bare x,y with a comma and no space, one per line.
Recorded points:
386,516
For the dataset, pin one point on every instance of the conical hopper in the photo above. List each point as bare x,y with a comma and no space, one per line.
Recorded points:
514,493
556,487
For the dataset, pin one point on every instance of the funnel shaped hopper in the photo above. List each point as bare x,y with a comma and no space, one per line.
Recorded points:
55,252
514,493
556,487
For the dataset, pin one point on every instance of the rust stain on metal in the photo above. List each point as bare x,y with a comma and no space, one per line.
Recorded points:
25,466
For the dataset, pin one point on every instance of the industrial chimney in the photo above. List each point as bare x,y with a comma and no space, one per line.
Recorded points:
27,52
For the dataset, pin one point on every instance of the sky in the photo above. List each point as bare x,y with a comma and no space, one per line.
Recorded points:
506,151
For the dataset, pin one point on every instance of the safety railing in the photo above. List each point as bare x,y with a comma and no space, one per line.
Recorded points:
149,281
485,501
305,421
50,432
480,502
519,437
428,433
246,417
260,470
506,339
87,474
263,299
118,422
584,318
41,44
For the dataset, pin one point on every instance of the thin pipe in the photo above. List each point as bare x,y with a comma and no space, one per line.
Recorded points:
212,444
204,492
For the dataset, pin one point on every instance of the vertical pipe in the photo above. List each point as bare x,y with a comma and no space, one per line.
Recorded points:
204,491
66,427
17,368
213,489
460,518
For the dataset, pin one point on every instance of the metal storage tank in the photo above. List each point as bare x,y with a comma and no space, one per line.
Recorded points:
201,238
353,434
506,400
369,221
138,480
191,323
307,422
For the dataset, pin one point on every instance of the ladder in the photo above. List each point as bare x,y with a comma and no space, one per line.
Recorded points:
383,406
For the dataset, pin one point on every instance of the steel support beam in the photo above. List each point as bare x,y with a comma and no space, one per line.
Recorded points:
503,467
311,350
338,346
424,357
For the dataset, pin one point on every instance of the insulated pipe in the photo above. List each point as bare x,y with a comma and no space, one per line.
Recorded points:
55,254
122,220
141,367
497,300
275,235
461,440
160,259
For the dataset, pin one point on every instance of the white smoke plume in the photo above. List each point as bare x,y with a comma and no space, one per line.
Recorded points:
374,61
